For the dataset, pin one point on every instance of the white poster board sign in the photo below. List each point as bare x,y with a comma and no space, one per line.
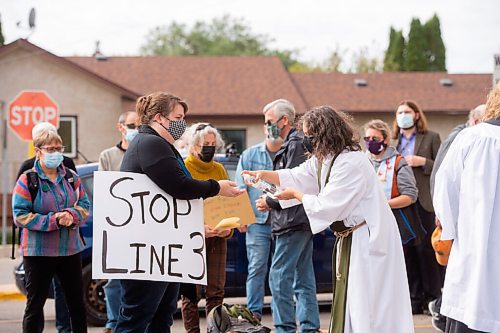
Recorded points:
142,233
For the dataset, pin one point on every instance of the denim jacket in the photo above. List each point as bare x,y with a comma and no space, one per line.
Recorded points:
254,158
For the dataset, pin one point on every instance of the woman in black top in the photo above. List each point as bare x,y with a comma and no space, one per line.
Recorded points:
148,306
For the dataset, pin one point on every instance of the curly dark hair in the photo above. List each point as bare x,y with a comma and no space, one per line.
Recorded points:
331,131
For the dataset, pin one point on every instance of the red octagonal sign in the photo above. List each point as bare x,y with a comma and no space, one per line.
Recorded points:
30,108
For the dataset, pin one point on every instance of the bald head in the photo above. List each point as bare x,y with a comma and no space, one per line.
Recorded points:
476,115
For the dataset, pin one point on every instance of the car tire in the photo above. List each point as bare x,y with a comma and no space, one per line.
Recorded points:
93,298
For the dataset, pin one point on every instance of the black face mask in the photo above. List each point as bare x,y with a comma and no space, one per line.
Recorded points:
207,153
308,144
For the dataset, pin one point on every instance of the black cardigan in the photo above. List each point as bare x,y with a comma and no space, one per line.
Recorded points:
152,155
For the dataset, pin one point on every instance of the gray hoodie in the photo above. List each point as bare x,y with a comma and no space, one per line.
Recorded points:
405,180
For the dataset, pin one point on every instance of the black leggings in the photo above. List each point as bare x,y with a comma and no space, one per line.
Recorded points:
39,272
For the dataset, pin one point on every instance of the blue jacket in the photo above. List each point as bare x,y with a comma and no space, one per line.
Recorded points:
254,158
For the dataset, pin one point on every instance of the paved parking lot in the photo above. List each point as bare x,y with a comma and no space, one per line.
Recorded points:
12,308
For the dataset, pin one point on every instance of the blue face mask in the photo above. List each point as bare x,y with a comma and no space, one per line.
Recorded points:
130,134
52,161
405,120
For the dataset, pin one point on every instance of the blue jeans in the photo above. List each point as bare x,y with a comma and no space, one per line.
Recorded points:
63,323
292,273
259,244
113,291
147,306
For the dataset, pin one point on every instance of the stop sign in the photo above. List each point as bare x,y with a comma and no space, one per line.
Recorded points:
30,108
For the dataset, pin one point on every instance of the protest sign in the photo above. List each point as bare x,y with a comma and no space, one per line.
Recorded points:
142,233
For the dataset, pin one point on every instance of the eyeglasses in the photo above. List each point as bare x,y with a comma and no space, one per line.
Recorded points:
372,138
203,126
270,123
131,126
51,150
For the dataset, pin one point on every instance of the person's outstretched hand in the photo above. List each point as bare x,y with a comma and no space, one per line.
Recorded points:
288,193
229,189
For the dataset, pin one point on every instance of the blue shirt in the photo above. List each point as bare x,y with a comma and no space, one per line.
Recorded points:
407,146
253,159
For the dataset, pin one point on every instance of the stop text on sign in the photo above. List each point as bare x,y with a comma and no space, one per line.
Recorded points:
25,115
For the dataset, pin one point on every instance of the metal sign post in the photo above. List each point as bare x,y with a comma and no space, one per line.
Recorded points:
5,173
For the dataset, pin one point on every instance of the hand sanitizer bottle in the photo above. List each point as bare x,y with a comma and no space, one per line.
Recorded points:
261,184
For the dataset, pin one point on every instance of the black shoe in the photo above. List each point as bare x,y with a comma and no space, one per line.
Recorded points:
438,320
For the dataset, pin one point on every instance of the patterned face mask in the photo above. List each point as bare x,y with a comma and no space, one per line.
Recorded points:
176,128
273,130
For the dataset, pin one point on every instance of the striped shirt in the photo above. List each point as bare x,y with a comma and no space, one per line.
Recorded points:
41,235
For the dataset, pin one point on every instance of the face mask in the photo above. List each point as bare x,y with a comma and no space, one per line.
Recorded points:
52,161
375,147
176,128
273,131
130,134
405,120
308,144
207,153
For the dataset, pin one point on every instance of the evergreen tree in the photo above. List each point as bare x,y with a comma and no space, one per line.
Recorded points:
436,52
416,51
395,54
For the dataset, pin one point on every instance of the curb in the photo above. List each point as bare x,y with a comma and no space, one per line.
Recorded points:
9,292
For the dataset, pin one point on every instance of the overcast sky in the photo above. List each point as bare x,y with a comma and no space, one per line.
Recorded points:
470,29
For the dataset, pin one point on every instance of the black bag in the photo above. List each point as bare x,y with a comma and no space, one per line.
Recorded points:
409,225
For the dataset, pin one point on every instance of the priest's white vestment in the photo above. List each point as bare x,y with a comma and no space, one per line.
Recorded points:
467,202
378,299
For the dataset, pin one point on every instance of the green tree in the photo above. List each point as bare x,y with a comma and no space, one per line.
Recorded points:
2,40
395,55
435,51
221,36
416,50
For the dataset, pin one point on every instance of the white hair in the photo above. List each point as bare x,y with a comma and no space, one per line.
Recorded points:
196,133
281,107
40,128
476,114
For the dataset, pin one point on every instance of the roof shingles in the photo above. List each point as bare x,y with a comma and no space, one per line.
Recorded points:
385,90
210,85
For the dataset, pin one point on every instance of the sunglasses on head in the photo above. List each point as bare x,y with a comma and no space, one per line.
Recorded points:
203,126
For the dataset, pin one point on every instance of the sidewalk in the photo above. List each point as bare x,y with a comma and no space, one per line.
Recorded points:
8,289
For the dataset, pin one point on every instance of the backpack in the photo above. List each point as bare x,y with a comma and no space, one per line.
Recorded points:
33,185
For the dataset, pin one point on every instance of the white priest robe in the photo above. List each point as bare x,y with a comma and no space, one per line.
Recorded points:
467,201
378,299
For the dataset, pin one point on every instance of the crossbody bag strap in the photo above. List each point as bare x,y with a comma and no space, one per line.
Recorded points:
320,166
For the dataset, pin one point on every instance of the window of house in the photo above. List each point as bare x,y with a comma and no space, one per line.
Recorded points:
67,131
235,137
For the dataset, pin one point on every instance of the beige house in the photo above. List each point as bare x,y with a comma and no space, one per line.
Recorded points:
228,92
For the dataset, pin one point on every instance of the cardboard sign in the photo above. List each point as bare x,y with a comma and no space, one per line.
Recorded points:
218,208
142,233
